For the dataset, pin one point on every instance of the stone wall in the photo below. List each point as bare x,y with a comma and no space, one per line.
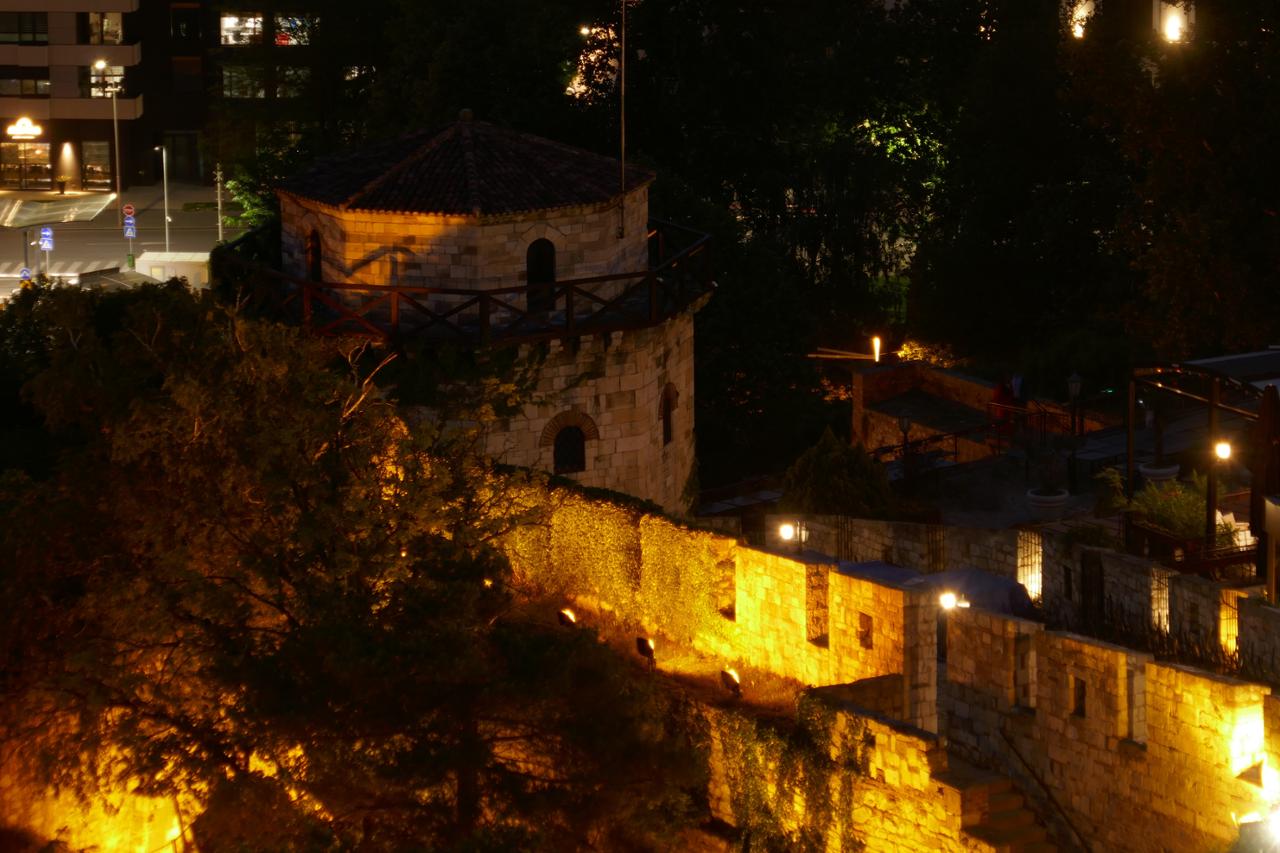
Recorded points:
792,615
863,783
612,387
1135,755
117,821
469,252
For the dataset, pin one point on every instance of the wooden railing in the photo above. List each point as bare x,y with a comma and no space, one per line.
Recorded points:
680,272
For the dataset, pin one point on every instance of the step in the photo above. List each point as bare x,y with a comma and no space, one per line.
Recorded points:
1011,819
1011,838
1004,801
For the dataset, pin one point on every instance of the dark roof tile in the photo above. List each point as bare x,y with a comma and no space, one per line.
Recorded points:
469,168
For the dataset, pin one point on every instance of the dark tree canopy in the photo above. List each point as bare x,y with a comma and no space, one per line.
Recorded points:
248,577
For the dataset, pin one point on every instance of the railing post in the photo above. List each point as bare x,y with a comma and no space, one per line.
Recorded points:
395,313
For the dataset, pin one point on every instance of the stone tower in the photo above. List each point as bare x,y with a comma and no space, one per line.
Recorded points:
485,237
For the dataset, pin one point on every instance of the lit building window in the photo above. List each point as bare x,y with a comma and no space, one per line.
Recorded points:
1173,20
294,29
1160,601
105,27
1031,563
241,29
102,82
24,87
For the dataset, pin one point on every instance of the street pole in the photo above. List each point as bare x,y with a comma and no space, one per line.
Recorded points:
115,130
164,167
26,246
217,177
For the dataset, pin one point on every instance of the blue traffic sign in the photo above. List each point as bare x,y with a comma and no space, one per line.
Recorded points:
46,244
130,232
25,274
46,233
130,221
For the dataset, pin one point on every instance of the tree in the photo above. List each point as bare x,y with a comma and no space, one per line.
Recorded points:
249,579
835,479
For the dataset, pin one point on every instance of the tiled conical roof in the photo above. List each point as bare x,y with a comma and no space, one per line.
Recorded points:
470,168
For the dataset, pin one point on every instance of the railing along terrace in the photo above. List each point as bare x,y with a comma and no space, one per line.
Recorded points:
1189,555
679,272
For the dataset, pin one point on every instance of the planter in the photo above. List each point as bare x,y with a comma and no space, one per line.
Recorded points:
1047,504
1153,473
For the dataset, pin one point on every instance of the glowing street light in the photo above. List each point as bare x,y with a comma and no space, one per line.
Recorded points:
114,88
948,600
164,166
1222,450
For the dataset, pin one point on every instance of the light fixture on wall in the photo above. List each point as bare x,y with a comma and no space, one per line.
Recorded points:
645,648
950,601
731,682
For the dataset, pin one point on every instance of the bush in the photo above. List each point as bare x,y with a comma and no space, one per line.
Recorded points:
835,479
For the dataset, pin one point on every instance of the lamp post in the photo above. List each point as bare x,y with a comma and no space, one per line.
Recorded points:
1074,381
164,169
114,88
904,424
1221,453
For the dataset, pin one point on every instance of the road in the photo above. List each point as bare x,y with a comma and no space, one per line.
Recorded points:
100,244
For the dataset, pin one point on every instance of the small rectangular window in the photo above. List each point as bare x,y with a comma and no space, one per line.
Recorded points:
105,28
1079,696
866,630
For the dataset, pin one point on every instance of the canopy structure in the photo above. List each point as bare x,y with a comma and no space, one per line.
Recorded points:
1243,387
24,213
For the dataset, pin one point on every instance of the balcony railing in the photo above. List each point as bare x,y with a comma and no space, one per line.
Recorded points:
680,272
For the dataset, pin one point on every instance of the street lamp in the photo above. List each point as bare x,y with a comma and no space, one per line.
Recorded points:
114,88
1074,381
1221,453
904,424
164,169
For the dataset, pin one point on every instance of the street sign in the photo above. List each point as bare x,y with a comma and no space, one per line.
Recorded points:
128,210
129,220
46,244
24,274
130,232
46,233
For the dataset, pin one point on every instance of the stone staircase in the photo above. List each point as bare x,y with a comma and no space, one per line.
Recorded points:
994,812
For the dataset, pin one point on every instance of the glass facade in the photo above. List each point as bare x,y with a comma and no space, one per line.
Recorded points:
241,29
24,28
95,165
25,165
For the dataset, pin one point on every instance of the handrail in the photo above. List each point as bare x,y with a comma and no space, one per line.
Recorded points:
1043,789
495,315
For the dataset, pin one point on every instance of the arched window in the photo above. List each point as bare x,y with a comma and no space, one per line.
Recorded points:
667,405
315,255
567,435
570,451
540,275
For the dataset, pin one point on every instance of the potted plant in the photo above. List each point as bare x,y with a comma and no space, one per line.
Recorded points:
62,183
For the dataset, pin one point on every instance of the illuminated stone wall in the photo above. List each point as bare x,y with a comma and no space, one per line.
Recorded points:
427,250
118,822
795,617
869,784
1139,755
617,383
